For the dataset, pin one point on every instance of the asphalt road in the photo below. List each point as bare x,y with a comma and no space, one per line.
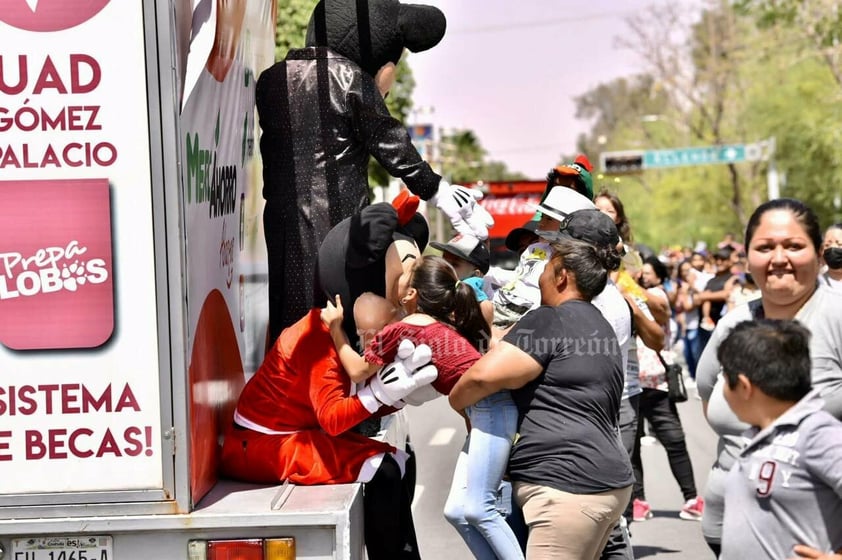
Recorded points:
437,433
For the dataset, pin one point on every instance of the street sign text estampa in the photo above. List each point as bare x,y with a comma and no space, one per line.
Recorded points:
705,155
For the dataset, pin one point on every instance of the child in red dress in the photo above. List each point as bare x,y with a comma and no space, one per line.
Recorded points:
442,313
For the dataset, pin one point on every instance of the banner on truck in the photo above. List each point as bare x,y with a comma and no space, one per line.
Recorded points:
227,307
79,397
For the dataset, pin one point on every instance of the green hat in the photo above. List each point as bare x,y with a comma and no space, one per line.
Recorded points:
581,169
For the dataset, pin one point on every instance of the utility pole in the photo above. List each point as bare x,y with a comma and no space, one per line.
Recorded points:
772,180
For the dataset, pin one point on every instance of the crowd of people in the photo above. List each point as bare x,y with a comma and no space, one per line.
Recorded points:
778,293
559,370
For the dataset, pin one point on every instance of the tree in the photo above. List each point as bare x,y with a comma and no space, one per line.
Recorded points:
291,25
700,74
818,21
800,41
718,79
463,160
612,106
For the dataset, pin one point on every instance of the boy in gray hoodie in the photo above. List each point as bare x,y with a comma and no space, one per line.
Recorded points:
784,493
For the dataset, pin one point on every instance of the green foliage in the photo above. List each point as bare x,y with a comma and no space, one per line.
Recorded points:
665,207
291,27
750,80
609,106
399,100
463,160
802,112
823,17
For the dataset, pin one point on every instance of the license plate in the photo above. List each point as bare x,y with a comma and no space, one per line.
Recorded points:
86,547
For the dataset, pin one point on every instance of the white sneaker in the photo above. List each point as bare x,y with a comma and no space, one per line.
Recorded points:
648,440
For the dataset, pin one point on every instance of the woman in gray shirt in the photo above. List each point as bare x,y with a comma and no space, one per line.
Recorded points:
783,243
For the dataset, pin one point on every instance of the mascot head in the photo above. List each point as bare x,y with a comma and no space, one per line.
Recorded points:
374,33
576,175
375,250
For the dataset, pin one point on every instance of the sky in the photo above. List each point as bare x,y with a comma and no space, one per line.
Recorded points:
509,71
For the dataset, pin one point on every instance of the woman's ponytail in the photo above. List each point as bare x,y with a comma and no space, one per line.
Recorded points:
444,297
468,318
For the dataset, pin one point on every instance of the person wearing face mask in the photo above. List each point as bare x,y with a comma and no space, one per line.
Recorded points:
832,257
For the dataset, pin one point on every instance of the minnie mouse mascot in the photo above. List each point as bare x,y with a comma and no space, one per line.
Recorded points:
322,115
295,417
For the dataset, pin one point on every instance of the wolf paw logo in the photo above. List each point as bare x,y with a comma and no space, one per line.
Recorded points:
49,15
73,276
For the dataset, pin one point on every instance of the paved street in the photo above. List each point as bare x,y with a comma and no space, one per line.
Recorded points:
438,433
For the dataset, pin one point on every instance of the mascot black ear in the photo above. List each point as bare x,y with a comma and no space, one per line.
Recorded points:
422,27
373,33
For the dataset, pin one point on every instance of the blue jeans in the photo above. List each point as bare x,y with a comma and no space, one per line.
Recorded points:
471,506
692,350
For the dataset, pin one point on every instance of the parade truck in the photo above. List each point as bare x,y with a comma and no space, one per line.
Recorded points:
133,299
511,204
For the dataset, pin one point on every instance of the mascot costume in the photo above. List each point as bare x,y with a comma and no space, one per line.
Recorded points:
295,417
322,116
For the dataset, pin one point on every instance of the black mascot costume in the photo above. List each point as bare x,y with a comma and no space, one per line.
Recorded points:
322,115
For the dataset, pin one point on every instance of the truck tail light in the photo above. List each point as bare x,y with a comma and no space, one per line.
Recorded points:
243,549
251,549
280,549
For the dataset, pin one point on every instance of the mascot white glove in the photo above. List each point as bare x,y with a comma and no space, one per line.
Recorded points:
411,369
421,395
460,205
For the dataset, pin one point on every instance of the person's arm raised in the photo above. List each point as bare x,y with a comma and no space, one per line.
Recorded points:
354,365
504,367
649,331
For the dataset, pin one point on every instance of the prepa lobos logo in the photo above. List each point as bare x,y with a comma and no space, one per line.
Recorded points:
56,287
49,15
49,270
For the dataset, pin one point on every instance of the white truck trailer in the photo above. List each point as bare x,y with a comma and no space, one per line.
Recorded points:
132,287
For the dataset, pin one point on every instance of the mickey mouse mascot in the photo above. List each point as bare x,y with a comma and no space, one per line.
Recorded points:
295,417
322,115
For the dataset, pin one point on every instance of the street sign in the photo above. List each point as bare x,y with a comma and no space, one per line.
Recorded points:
706,155
636,161
627,162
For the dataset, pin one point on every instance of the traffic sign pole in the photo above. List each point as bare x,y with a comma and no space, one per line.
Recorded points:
772,184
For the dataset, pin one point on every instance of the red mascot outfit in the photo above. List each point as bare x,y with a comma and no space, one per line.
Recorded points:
322,116
297,426
294,418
